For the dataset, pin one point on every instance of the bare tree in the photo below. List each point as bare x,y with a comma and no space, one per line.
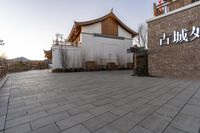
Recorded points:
129,59
142,37
78,59
83,58
74,60
96,58
64,56
120,59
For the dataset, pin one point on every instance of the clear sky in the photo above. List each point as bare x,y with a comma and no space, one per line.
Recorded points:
29,26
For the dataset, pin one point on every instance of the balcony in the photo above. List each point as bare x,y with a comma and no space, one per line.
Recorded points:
170,5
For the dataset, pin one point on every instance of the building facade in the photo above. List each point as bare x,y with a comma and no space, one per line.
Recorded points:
103,40
174,40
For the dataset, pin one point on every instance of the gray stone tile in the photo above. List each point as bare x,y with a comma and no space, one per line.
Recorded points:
99,121
169,110
191,110
127,122
158,102
86,101
178,102
80,109
194,101
3,111
52,128
24,128
25,107
16,105
2,122
42,108
22,117
122,110
49,119
155,123
167,96
128,107
122,101
175,91
197,95
108,129
171,129
60,108
17,121
102,102
74,120
77,129
37,115
102,109
139,129
145,109
187,123
16,115
42,98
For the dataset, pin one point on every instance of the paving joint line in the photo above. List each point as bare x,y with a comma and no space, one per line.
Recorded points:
180,109
159,107
7,108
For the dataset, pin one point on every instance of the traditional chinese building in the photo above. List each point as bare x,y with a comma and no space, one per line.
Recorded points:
174,39
102,42
48,54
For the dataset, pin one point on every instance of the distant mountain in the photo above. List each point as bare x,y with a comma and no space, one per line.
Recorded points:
20,59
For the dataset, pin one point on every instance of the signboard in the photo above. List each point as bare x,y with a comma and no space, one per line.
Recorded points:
178,37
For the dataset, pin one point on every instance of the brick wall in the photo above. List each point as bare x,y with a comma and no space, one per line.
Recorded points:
174,60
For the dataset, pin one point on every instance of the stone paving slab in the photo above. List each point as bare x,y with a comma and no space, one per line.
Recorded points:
98,102
23,128
77,129
99,121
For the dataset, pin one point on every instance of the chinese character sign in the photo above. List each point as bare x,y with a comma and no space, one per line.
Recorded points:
177,37
165,39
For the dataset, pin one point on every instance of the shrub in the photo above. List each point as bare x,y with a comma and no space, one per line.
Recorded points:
62,70
143,70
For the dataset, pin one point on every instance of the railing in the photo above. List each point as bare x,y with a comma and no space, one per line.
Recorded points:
3,72
56,42
166,7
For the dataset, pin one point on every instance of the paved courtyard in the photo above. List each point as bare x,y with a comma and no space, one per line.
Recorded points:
98,102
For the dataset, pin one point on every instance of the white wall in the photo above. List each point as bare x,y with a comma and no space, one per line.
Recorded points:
74,54
123,33
94,48
108,48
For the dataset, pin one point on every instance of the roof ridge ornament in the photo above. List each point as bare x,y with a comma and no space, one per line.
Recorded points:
111,10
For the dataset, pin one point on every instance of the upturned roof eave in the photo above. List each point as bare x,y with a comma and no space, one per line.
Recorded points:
111,14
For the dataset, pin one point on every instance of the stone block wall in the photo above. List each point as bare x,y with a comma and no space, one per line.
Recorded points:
174,60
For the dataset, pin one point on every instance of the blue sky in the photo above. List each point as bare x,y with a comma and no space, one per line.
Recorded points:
29,26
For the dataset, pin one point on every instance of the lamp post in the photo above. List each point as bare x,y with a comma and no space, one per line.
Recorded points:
134,50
